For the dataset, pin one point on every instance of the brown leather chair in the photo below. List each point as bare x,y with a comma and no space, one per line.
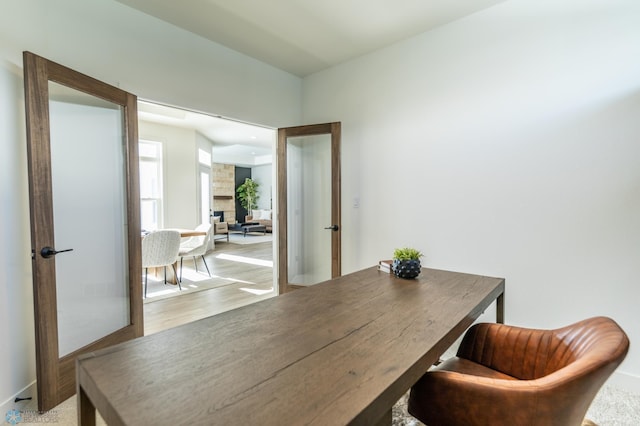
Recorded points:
504,375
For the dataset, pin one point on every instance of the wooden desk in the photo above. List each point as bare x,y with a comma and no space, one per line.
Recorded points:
340,352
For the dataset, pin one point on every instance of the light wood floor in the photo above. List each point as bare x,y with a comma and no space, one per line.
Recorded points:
228,260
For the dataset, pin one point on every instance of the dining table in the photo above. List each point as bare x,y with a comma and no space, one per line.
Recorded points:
184,233
340,352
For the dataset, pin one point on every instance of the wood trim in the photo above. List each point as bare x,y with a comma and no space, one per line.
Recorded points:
134,241
56,376
309,130
82,82
336,197
43,273
283,247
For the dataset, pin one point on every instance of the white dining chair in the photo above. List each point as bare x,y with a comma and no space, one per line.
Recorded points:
196,246
160,248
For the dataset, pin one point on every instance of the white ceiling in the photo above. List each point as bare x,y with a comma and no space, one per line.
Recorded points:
306,36
234,142
298,36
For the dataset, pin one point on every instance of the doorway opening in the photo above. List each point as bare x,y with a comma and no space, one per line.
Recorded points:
195,148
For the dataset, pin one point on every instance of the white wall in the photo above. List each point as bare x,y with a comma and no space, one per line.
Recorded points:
264,176
17,351
503,144
206,145
156,61
179,173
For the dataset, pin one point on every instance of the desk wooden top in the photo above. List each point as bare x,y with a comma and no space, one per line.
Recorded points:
339,352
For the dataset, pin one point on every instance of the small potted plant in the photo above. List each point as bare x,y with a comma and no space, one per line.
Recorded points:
406,262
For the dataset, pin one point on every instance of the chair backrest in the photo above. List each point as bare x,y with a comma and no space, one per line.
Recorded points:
597,341
593,349
160,248
529,354
206,227
199,245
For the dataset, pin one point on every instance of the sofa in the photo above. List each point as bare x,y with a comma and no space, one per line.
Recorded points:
262,217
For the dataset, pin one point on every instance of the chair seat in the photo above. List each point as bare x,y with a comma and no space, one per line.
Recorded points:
185,251
161,265
196,246
464,366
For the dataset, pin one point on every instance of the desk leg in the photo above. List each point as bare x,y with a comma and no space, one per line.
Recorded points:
500,309
86,409
386,419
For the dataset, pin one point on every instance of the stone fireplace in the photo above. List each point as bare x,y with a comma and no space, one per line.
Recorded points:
224,190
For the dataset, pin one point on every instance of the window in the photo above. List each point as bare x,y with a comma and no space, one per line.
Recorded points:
150,154
204,158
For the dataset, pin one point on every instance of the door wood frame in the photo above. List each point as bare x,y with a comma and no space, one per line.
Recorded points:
56,376
333,129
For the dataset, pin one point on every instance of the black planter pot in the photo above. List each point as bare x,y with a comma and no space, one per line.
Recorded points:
406,268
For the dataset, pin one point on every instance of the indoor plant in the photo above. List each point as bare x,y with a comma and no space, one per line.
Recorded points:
248,194
406,262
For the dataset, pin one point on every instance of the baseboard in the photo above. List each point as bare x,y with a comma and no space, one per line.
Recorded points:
625,381
28,404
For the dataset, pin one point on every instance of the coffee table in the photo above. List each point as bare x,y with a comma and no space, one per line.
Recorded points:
249,227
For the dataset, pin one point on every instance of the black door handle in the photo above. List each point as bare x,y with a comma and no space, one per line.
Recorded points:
332,227
47,252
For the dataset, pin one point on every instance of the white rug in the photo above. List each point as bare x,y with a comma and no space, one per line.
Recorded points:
192,282
250,238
